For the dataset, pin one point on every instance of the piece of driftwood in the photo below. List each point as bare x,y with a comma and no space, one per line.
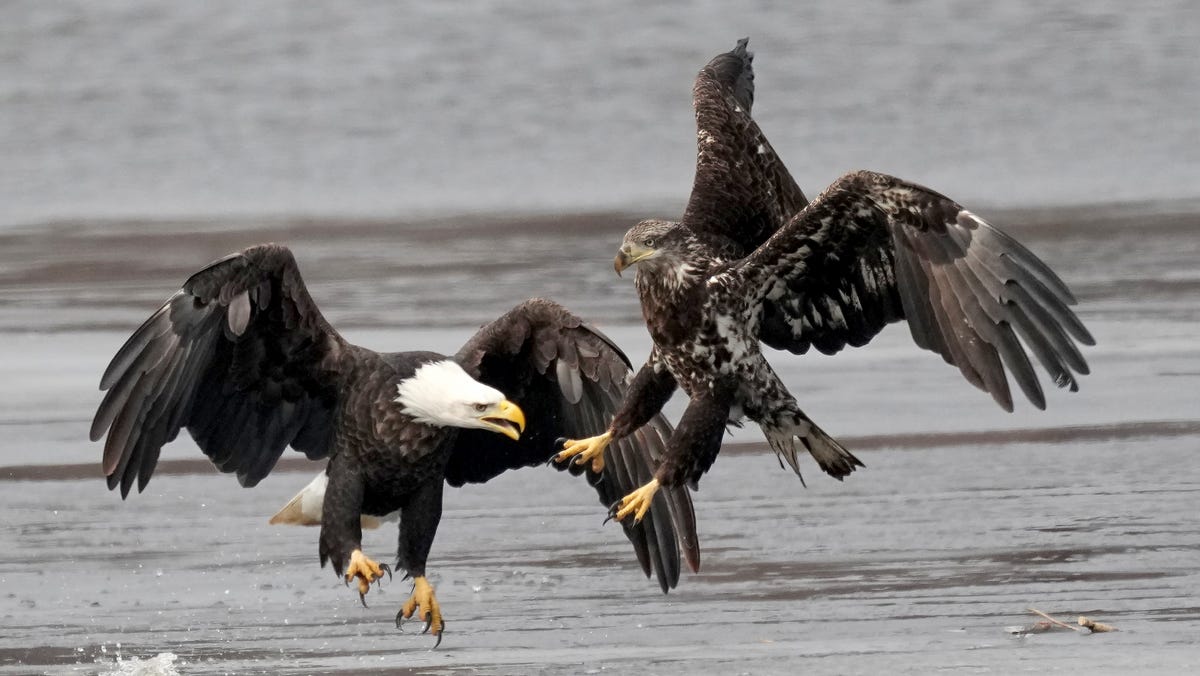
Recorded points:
1095,627
1049,623
1053,621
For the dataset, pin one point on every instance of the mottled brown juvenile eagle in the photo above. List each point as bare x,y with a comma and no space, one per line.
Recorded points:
753,262
242,358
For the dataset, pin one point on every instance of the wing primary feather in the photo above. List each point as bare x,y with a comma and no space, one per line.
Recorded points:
1041,348
156,325
1001,243
1047,299
1046,325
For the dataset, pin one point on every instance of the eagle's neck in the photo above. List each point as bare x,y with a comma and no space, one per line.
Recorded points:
672,295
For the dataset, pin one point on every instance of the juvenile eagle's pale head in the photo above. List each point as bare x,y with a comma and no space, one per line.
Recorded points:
441,393
650,240
668,251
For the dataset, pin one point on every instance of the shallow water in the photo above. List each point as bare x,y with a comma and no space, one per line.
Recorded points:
963,518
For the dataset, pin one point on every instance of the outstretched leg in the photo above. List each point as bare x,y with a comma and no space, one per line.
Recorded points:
647,394
419,519
691,450
341,530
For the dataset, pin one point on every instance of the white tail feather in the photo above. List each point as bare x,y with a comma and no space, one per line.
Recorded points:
305,508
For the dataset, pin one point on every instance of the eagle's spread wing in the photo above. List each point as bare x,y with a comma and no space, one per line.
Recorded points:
741,190
873,249
569,379
240,356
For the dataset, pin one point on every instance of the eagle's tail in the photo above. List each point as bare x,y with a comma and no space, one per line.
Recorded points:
830,455
305,508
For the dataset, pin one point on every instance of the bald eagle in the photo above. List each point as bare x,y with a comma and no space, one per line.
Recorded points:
753,262
242,358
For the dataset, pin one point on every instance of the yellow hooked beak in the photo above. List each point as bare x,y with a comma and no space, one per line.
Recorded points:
629,254
506,418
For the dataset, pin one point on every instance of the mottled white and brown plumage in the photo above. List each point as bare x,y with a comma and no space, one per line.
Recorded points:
753,262
243,359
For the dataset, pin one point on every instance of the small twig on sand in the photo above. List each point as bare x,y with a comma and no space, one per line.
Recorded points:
1095,627
1053,621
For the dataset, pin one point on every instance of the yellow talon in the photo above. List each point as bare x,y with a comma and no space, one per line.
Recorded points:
636,503
431,613
366,570
585,450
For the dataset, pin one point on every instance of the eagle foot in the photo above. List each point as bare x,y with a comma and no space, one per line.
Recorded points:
422,597
366,571
583,451
636,503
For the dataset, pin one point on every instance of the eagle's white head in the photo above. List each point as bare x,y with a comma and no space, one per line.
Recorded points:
441,393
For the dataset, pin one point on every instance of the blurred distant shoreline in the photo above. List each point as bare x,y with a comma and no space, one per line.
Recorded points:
1150,213
460,270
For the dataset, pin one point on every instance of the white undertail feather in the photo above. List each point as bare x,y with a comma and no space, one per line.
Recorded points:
305,508
441,393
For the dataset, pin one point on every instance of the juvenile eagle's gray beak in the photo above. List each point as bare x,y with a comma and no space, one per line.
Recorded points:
505,418
629,254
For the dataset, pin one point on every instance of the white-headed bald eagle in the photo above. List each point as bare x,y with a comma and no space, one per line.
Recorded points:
243,359
753,262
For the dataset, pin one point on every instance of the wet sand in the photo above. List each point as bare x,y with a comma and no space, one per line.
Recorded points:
963,518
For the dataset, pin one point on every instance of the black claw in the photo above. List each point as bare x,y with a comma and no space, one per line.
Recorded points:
362,598
400,620
428,624
439,637
558,443
387,569
612,512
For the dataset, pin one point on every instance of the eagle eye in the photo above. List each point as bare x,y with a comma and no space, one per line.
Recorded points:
650,242
480,408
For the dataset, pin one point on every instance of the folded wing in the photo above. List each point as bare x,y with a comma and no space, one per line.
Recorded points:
873,249
240,356
569,379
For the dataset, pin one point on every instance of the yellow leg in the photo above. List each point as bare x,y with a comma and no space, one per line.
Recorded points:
431,613
366,570
585,450
636,503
